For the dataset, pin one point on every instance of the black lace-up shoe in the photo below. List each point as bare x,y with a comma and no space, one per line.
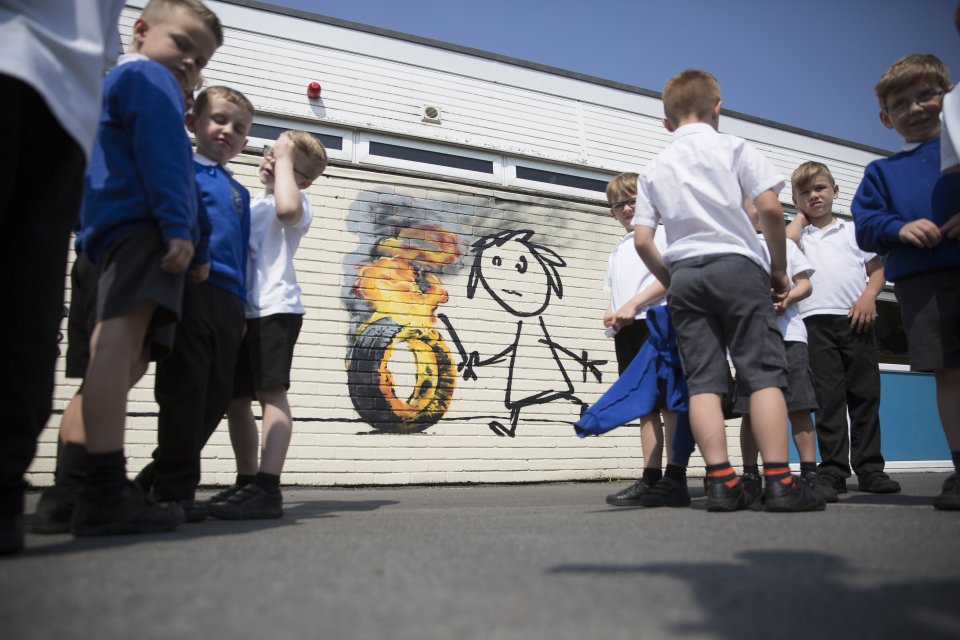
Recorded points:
629,497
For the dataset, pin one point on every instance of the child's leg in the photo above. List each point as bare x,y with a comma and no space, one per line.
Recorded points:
804,436
706,421
277,429
115,354
748,443
243,435
768,414
948,405
651,441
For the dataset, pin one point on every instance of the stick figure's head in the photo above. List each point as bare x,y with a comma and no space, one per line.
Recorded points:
519,274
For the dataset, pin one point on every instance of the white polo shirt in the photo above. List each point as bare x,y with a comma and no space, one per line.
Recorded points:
696,188
841,271
271,277
789,322
627,275
61,49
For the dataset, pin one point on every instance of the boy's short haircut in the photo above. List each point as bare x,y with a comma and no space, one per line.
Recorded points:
807,172
156,8
202,102
312,151
690,92
623,183
910,70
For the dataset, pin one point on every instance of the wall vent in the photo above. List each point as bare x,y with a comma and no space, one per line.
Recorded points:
431,113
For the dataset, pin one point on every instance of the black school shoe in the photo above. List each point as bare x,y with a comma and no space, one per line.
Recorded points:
825,490
630,497
55,509
666,493
722,498
193,510
949,498
223,495
753,487
136,512
792,496
832,481
877,482
11,534
249,503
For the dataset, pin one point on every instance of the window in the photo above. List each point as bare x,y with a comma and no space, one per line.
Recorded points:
562,179
269,132
424,156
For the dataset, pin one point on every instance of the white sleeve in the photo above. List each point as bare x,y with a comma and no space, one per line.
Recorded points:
645,214
755,173
950,131
307,217
797,263
608,279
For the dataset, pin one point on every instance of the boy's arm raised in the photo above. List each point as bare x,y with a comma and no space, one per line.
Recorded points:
286,192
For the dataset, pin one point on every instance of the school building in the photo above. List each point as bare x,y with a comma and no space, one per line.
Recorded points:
454,269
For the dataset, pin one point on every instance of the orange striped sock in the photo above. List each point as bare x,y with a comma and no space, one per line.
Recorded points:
777,472
723,473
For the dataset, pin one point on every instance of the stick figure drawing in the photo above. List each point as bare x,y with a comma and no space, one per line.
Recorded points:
521,276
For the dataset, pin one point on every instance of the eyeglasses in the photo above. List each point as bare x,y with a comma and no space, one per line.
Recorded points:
268,153
617,207
928,97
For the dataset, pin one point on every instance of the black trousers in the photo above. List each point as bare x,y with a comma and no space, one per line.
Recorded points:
41,183
194,385
847,378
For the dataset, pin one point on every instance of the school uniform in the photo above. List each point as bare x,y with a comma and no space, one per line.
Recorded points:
846,373
195,384
719,296
627,276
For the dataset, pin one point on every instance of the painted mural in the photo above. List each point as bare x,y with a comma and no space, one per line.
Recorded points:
401,372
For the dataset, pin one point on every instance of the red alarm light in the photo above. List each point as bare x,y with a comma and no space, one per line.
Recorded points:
313,90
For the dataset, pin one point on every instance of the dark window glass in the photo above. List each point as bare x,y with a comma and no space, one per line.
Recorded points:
564,179
891,340
272,133
430,157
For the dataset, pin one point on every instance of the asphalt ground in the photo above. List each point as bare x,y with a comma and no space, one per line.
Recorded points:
549,561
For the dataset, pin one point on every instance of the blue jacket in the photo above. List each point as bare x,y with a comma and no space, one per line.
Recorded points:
635,393
895,191
140,172
227,205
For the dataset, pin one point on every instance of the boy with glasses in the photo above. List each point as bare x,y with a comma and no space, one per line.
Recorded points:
907,213
633,290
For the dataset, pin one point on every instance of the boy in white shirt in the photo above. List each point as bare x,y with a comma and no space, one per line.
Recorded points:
279,218
633,289
839,317
718,284
800,394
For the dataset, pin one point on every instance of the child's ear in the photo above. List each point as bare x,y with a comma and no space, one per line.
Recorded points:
668,125
140,28
191,122
885,119
304,184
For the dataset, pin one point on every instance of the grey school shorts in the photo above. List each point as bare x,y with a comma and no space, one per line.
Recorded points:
130,273
266,353
930,311
82,317
800,393
723,302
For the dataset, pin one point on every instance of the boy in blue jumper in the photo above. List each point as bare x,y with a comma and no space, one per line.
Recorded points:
896,218
139,225
195,384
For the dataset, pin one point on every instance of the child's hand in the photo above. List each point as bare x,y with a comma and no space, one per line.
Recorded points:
198,273
952,227
863,314
283,148
608,319
922,233
624,316
178,256
780,285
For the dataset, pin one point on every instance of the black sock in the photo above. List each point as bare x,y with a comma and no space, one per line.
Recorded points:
724,473
956,460
806,467
651,476
268,482
106,477
676,472
243,479
71,465
776,472
752,468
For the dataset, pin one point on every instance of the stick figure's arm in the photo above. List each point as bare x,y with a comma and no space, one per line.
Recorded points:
582,358
468,362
